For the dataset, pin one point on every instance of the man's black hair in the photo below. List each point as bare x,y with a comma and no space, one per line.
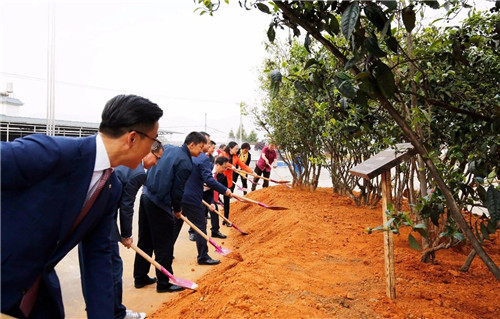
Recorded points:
221,160
212,142
205,134
196,138
129,112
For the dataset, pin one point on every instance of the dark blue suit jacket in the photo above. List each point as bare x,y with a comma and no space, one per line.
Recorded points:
201,174
166,180
132,180
44,184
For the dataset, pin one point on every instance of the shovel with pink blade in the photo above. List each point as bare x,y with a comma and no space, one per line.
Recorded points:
175,280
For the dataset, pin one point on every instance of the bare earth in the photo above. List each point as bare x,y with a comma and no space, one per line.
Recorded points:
316,261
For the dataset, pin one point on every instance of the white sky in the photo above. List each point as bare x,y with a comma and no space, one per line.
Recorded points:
163,50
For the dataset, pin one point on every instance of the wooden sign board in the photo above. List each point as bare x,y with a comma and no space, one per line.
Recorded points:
383,161
372,167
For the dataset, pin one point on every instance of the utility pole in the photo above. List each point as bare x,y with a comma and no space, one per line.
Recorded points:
241,127
51,70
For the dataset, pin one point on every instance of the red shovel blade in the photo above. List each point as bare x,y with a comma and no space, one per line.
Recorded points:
179,281
221,250
242,232
272,207
242,188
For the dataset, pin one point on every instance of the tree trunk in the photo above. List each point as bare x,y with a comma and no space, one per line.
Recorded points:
465,267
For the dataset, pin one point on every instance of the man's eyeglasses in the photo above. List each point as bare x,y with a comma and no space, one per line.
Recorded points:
157,145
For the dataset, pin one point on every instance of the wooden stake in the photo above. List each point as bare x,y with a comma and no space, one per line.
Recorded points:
390,275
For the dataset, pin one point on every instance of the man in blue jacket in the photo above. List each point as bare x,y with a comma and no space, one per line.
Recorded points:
160,207
192,205
131,180
57,192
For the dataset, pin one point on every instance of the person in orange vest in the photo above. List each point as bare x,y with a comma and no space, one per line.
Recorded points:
231,153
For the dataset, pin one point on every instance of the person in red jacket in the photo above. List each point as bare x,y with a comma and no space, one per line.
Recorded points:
267,158
231,153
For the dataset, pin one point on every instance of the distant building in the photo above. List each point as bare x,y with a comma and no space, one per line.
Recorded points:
12,127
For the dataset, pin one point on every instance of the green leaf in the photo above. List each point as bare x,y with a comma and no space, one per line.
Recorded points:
459,236
434,4
389,222
271,33
371,45
262,7
422,232
434,215
349,19
307,43
333,26
376,16
385,79
345,87
310,62
413,242
485,232
408,15
362,75
481,192
492,175
390,4
300,86
493,203
492,227
392,44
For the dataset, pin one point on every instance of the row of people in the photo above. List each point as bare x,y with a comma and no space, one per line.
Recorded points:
240,159
61,192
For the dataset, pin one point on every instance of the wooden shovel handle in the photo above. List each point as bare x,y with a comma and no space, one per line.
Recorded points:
145,256
240,172
246,199
217,212
202,234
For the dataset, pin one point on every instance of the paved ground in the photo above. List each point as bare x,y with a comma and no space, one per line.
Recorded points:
141,300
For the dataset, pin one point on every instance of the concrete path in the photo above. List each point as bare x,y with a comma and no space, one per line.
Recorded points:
141,300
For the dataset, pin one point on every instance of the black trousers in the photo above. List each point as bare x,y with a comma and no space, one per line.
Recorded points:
196,214
157,233
259,172
208,197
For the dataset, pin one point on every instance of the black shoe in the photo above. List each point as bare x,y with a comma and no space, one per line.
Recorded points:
226,224
192,237
142,283
218,234
209,261
171,288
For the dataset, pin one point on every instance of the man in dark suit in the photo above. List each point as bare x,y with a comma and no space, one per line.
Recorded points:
58,192
160,207
192,205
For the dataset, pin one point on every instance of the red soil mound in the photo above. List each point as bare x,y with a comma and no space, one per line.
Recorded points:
316,261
